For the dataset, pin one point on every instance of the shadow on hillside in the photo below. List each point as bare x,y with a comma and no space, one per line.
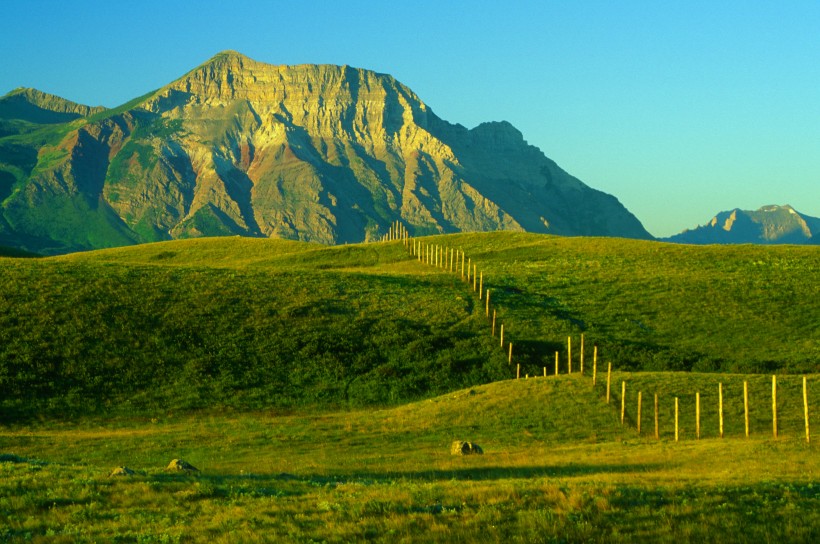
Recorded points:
492,473
459,474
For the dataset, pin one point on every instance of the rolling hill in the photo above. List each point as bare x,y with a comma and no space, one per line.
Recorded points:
247,323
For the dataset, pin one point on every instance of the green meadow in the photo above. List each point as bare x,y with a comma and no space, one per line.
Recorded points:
318,389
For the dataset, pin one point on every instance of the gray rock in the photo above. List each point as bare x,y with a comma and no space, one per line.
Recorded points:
465,448
180,465
121,471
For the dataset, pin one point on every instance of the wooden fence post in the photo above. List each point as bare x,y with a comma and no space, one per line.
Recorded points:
720,407
510,357
608,380
480,284
676,419
657,428
452,257
623,401
493,321
639,411
545,372
697,415
518,371
774,406
594,365
582,353
475,277
746,405
569,354
502,335
462,265
556,363
806,409
487,301
469,267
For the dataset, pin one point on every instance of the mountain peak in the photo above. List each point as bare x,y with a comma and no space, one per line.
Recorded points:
771,224
227,58
315,152
35,106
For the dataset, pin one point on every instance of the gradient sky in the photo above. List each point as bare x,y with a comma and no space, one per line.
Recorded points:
681,109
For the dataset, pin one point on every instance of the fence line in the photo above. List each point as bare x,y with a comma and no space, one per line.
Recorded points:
447,259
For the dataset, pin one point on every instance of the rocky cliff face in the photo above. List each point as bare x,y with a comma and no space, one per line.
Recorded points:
768,225
324,153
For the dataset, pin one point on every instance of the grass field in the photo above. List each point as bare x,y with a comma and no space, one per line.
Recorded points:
557,467
318,390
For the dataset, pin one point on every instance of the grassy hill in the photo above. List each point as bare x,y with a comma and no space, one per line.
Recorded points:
248,323
274,324
318,390
655,306
557,467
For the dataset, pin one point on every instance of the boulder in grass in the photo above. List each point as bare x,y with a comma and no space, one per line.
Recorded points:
465,448
180,465
121,471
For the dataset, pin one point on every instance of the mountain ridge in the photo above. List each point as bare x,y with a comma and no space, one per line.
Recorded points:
771,224
323,153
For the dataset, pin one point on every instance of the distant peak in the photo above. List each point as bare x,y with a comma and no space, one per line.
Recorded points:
21,90
29,100
229,54
766,225
228,57
499,131
775,208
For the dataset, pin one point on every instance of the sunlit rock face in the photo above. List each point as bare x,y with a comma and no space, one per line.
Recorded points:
322,153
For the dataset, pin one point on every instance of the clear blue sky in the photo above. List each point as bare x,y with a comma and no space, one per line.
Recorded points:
680,109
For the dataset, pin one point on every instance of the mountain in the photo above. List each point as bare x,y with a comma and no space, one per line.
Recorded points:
28,108
768,225
323,153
